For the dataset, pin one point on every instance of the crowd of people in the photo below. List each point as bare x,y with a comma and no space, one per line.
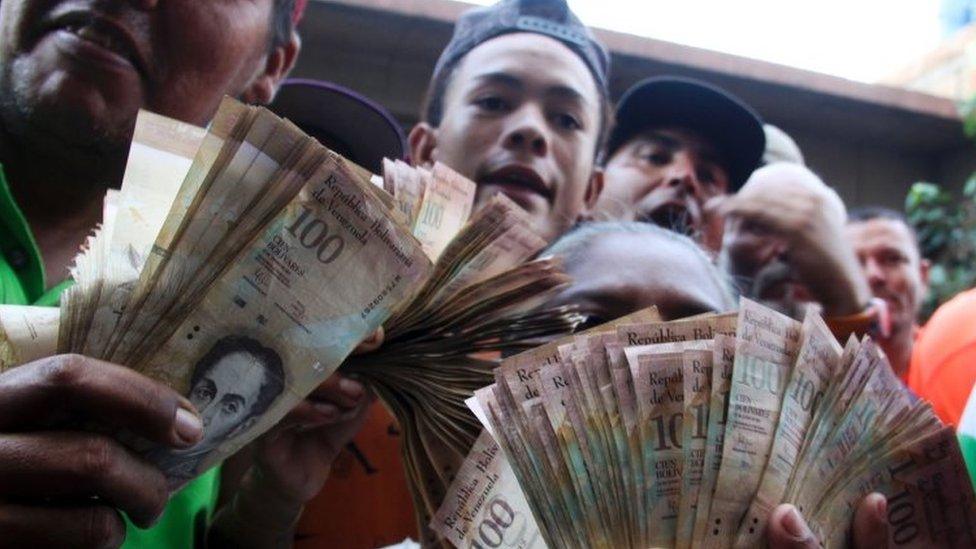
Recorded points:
678,196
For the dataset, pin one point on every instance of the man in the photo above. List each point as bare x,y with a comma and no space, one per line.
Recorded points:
887,249
518,104
784,245
678,144
650,266
73,75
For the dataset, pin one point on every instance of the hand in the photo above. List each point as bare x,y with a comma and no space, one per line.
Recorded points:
290,464
296,456
788,530
794,204
63,486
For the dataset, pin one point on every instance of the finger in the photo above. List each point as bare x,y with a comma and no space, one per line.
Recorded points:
871,522
311,414
788,530
73,387
342,391
94,526
371,343
72,466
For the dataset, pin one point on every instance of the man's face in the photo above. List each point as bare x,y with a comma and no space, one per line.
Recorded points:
225,395
522,117
620,273
756,259
663,176
893,267
74,73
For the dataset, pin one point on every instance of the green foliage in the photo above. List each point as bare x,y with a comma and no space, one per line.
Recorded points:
946,228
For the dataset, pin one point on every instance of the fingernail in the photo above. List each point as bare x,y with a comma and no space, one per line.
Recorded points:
329,411
881,506
353,389
189,427
794,525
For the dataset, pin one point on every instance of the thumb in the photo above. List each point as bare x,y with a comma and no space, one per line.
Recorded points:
871,522
788,530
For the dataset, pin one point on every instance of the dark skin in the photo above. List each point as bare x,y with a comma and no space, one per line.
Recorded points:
73,75
69,102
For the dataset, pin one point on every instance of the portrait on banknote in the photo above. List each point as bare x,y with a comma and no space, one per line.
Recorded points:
231,386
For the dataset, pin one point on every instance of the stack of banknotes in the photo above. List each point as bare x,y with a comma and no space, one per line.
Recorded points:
642,433
242,264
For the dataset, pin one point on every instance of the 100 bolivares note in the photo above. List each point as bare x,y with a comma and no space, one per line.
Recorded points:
484,507
321,277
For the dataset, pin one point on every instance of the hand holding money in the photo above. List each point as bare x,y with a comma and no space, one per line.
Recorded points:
60,485
788,530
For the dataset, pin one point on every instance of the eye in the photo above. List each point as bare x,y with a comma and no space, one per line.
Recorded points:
492,103
230,407
659,157
567,121
203,394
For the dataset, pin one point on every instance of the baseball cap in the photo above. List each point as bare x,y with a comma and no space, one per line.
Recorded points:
551,18
342,120
730,125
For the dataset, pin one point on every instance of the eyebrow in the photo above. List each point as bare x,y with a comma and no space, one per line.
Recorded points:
501,78
559,91
707,153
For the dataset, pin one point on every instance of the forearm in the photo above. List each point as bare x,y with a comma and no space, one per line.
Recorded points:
255,516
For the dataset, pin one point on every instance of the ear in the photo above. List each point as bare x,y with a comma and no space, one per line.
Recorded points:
924,265
593,189
278,63
423,141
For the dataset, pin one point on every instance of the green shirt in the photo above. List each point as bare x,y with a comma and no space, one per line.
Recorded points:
183,523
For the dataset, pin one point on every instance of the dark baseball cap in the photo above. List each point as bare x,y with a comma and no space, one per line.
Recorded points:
551,18
730,125
342,120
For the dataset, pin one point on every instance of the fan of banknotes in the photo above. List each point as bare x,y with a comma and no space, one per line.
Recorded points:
689,433
247,261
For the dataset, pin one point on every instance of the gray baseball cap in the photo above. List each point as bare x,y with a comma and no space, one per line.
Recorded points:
551,18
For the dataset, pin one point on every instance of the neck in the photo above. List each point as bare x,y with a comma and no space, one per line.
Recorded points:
61,198
898,347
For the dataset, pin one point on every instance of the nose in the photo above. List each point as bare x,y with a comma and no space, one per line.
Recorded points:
681,174
873,272
527,132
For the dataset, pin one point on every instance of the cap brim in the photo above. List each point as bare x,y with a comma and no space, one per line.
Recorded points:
733,128
342,120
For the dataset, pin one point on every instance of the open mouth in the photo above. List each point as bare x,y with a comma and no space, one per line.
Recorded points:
517,178
100,32
671,216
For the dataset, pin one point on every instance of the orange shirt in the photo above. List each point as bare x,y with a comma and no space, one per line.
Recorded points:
943,368
365,503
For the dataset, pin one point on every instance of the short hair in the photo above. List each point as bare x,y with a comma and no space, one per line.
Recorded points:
573,246
432,111
863,214
274,380
282,24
